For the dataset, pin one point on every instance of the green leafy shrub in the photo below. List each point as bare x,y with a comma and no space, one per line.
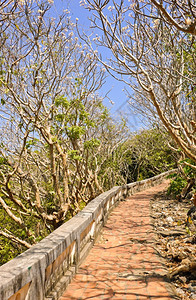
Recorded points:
179,182
176,186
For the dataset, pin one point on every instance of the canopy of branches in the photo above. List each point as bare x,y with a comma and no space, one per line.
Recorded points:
152,49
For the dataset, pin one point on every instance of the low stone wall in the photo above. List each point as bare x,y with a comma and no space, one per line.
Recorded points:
44,271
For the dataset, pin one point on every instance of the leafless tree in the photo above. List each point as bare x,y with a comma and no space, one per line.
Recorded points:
152,49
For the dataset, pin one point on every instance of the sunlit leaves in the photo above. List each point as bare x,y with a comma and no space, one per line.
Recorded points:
75,154
93,143
62,101
75,132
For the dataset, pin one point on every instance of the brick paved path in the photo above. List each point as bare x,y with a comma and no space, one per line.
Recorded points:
123,263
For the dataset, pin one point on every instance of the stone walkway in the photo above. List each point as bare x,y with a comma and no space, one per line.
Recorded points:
123,263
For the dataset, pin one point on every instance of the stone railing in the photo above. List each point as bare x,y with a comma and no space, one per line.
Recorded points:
44,271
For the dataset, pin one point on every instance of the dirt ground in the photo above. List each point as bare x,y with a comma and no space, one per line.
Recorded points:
176,242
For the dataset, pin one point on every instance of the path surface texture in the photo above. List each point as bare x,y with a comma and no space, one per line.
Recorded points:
123,263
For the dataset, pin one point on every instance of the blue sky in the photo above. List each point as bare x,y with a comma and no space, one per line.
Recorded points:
116,94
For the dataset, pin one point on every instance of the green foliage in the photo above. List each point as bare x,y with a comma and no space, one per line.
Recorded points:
31,143
105,114
74,154
7,251
178,182
60,117
149,155
93,143
2,101
82,205
78,81
62,101
8,248
144,155
2,160
187,169
176,186
75,132
72,115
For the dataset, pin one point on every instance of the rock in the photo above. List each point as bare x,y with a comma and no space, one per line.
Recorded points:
182,279
169,220
172,232
191,288
180,292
